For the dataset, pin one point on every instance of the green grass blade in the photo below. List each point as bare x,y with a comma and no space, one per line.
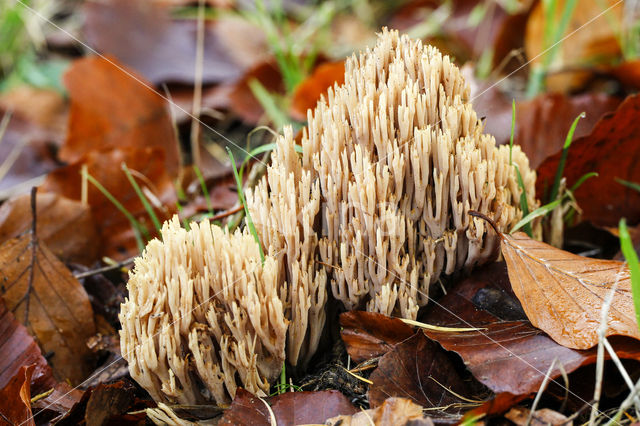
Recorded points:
563,158
139,229
524,205
582,179
250,224
268,103
628,184
540,211
203,187
142,197
631,256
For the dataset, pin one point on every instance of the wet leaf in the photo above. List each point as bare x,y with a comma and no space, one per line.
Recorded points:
508,355
57,404
611,150
18,349
64,225
142,35
398,411
542,123
419,370
111,107
563,293
41,292
289,408
308,93
242,101
368,335
15,399
114,228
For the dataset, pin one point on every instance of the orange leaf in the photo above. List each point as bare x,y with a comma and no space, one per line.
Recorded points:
563,293
66,226
114,228
41,291
15,399
612,151
316,85
112,107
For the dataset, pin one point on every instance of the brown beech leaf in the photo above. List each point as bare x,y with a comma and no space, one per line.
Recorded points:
241,99
393,411
563,293
18,349
112,107
507,354
43,293
289,408
307,93
15,399
612,151
419,370
142,35
367,335
105,166
57,404
66,226
628,73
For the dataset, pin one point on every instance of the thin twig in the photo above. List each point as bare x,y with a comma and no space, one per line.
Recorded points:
227,213
34,246
107,268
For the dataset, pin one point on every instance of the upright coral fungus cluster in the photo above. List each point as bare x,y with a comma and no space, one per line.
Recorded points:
377,205
203,312
373,212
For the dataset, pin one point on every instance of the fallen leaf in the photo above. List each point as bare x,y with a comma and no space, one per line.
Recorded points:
45,107
113,108
143,36
542,417
397,411
64,225
15,399
563,293
542,123
628,73
308,93
57,404
419,370
612,151
578,49
289,408
242,101
118,239
26,154
368,335
18,349
507,354
41,291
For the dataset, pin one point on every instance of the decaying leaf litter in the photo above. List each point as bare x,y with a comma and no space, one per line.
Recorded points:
363,262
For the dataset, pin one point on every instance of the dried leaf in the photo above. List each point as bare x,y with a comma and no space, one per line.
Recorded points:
307,93
242,101
289,408
542,123
114,228
18,349
111,107
628,73
563,293
142,35
41,291
57,404
397,411
368,335
508,355
543,417
64,225
612,151
46,108
418,369
15,399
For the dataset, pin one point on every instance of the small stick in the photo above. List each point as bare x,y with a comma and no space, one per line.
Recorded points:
104,268
227,213
486,218
34,246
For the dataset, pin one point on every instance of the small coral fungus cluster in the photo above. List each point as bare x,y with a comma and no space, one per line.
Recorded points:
373,212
